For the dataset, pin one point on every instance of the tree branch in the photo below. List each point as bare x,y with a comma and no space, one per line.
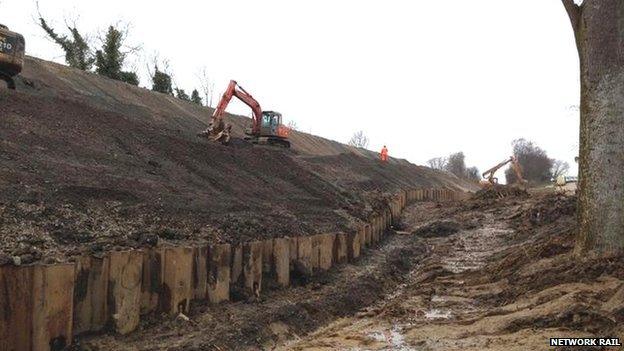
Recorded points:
574,12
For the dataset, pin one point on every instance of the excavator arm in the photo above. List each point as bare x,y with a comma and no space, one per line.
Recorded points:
234,89
266,126
518,169
217,129
489,174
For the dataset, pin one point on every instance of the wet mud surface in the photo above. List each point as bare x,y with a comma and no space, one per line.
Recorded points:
507,282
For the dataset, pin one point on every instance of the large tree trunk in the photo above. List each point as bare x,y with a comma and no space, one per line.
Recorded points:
599,32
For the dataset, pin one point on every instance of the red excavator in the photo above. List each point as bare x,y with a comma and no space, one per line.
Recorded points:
266,126
490,179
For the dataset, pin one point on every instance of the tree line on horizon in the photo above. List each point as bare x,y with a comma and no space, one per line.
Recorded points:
536,166
110,58
455,163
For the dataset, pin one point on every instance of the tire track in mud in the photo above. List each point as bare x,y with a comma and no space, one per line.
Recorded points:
495,279
432,294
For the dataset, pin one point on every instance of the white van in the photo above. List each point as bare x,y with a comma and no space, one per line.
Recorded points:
563,180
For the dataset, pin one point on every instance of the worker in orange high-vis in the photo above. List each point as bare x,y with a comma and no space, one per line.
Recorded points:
384,154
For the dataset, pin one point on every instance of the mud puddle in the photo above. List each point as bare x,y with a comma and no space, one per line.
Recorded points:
470,249
463,251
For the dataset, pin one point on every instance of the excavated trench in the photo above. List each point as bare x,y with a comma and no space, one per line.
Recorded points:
46,306
279,315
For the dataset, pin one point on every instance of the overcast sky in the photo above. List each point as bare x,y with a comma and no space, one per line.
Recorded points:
426,78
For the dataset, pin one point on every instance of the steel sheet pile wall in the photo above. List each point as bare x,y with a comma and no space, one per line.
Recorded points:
43,306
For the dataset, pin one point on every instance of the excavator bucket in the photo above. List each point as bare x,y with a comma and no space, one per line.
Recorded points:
219,132
223,137
266,126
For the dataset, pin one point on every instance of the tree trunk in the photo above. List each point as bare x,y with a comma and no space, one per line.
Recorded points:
599,32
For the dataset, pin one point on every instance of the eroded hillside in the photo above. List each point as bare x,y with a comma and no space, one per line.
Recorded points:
91,164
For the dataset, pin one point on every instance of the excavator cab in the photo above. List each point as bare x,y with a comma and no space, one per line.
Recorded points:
12,49
272,131
271,121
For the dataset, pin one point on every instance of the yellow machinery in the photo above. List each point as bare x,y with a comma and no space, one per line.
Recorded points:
490,179
12,47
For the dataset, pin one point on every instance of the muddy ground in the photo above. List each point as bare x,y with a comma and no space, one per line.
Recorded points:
279,315
484,274
500,275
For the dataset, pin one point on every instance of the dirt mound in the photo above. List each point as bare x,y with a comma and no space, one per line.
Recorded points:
548,222
500,191
550,208
437,229
560,289
543,275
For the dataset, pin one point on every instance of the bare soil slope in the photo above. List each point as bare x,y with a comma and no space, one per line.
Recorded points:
91,164
51,79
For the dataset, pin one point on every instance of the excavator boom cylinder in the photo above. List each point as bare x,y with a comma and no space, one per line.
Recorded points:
266,126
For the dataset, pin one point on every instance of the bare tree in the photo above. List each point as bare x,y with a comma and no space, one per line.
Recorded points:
534,161
438,163
597,26
472,173
160,75
154,60
559,168
206,85
359,139
456,164
77,47
292,125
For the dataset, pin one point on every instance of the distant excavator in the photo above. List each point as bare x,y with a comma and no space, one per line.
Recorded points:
12,48
266,126
488,176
